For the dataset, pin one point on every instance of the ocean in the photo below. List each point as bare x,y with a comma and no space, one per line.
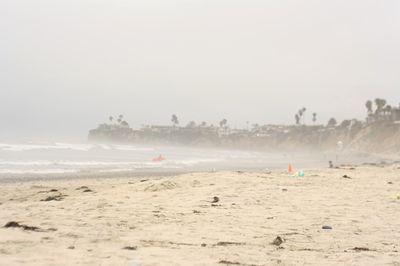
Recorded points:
38,160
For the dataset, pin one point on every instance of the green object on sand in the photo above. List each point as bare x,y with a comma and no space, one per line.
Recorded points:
301,173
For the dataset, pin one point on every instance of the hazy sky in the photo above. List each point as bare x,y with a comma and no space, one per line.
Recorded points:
65,66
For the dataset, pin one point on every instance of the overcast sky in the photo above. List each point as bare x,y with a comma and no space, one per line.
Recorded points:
65,66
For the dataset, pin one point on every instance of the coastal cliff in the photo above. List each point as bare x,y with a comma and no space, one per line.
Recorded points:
382,136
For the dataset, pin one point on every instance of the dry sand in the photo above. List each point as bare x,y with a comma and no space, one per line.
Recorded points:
172,220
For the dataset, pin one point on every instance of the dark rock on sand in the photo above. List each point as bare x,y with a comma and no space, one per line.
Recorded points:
215,200
277,241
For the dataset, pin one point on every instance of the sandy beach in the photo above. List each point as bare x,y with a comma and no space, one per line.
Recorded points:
221,218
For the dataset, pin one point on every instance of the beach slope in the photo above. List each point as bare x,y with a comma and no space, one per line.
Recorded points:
330,217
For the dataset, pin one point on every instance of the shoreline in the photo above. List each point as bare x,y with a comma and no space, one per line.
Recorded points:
165,172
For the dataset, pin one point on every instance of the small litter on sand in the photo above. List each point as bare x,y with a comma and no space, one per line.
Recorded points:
130,248
227,262
327,227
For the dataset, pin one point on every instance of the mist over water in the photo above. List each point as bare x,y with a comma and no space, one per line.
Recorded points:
52,160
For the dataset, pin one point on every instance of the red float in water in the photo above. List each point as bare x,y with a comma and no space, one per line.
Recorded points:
160,158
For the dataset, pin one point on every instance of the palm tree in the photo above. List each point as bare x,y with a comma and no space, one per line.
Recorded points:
380,103
120,118
314,119
174,120
303,110
111,119
297,117
223,122
368,104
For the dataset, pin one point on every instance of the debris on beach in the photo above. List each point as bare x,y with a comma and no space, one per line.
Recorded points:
228,243
327,227
301,173
54,198
346,176
227,262
130,248
14,224
359,249
82,188
88,190
277,241
49,191
290,169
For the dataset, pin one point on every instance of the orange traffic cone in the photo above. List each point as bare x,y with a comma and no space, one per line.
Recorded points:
290,169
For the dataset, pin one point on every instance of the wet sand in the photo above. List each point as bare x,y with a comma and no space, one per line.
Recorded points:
222,218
